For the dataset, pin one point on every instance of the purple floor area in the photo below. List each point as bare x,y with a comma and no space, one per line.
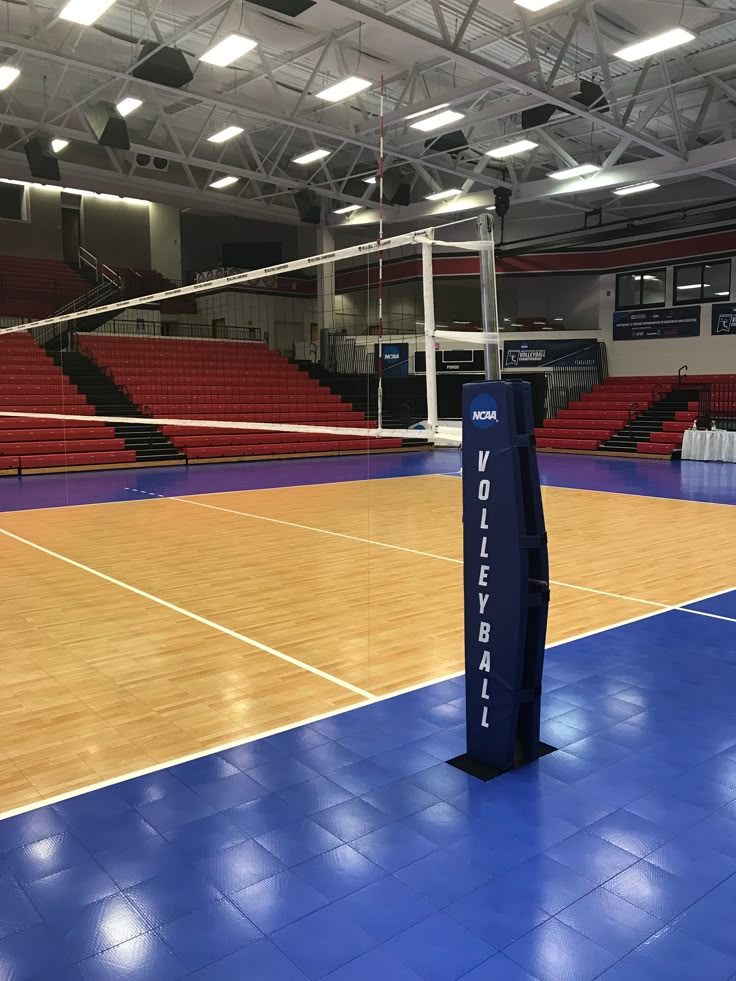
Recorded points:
710,482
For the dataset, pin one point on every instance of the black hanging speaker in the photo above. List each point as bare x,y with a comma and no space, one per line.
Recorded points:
41,162
309,206
108,126
452,143
168,66
396,188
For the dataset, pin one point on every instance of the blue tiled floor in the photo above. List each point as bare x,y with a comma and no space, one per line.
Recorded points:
320,854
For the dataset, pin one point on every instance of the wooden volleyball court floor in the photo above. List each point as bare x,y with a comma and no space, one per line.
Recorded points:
181,614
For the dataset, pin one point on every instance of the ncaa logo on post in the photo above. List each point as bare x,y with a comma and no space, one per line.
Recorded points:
483,411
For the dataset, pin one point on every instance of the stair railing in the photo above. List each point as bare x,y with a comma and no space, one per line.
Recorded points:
105,290
632,415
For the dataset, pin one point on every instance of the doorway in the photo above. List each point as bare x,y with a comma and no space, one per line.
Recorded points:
70,235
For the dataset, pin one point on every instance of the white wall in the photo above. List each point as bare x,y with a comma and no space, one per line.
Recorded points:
706,354
117,232
165,240
286,319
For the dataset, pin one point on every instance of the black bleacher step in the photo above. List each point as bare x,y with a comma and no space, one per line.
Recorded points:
146,440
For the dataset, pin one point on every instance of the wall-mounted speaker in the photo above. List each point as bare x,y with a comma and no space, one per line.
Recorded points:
41,162
309,206
166,67
108,126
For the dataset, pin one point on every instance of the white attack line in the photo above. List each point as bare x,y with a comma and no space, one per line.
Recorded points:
193,616
398,548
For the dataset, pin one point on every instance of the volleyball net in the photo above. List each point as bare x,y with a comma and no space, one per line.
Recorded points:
336,351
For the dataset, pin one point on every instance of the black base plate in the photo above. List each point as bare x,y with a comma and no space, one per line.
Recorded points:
481,771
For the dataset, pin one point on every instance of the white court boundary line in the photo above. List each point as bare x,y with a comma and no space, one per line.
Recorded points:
192,616
214,750
398,548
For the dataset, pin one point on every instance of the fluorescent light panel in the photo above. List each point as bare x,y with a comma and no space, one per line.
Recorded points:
8,75
579,171
653,45
310,157
723,293
439,195
347,209
128,105
224,181
58,145
434,122
521,146
425,112
343,90
535,5
234,46
636,188
225,134
694,286
85,12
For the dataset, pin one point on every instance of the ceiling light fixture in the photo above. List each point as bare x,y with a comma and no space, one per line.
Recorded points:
128,105
425,112
535,5
307,158
521,146
636,188
343,90
8,75
578,171
225,134
451,192
58,145
653,45
347,209
85,12
434,122
723,293
694,286
224,181
370,180
234,46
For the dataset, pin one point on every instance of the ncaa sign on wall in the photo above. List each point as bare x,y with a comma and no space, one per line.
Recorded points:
483,411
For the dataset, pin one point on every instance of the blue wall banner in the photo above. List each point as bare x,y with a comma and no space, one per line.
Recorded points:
642,325
505,575
395,360
723,318
578,353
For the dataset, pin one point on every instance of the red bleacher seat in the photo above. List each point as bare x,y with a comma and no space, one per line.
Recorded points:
173,378
34,383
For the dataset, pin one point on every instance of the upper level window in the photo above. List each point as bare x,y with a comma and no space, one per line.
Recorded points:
703,282
640,289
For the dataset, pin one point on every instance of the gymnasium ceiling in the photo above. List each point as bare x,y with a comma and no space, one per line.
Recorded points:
667,118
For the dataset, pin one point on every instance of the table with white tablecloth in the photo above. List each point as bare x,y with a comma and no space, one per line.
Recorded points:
709,445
